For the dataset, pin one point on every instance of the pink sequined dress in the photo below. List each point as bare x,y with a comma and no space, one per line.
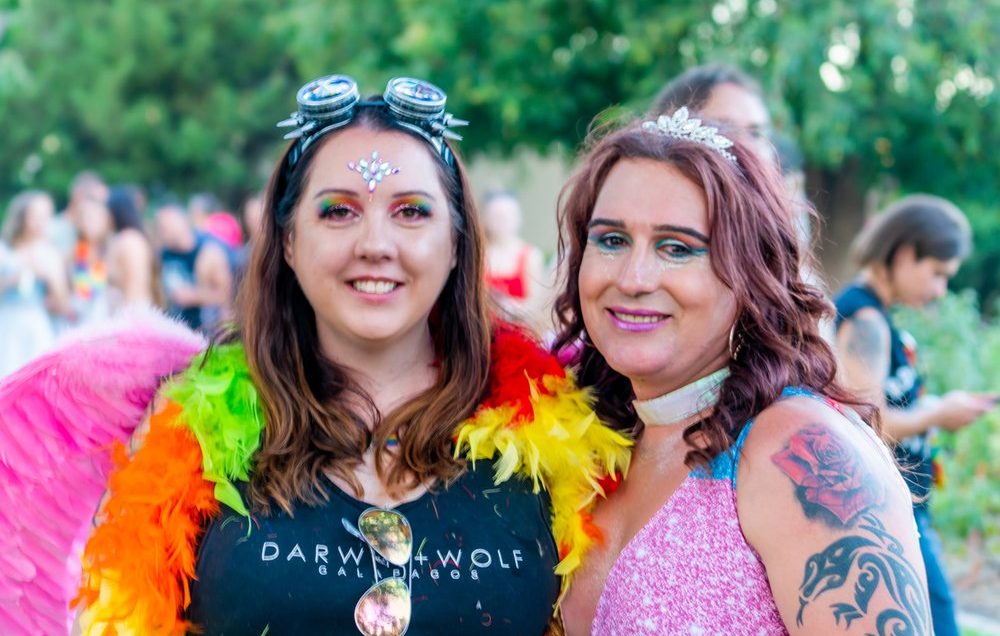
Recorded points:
690,570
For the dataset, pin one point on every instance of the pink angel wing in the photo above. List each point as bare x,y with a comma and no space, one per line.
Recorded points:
59,417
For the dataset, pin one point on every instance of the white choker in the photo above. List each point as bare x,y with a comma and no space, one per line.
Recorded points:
681,404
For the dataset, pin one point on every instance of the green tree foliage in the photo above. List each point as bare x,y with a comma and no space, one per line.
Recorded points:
168,94
960,351
185,93
981,271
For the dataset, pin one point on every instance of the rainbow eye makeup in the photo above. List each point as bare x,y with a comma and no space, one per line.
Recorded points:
337,207
412,206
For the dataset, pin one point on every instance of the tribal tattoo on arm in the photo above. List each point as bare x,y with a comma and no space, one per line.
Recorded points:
834,487
872,559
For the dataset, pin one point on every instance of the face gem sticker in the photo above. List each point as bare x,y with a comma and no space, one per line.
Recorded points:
372,170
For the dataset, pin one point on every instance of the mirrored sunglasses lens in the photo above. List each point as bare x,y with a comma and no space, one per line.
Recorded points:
388,533
384,610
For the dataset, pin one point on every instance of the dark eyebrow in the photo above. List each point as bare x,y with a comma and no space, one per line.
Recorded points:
682,230
608,222
658,228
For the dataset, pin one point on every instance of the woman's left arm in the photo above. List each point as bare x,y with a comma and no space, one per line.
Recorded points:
824,505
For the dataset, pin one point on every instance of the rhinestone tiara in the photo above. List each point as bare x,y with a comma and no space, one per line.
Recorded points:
680,126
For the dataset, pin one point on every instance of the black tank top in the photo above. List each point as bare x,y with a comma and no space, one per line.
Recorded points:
902,387
178,269
483,561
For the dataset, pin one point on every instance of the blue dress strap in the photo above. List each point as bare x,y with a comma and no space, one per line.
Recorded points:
788,392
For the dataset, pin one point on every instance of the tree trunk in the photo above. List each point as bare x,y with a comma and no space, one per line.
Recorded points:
840,199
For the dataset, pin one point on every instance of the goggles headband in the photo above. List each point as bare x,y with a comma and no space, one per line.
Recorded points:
331,102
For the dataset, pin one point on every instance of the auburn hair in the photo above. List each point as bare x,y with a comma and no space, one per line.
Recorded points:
317,416
753,250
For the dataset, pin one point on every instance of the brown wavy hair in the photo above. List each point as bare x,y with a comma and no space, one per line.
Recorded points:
315,412
753,250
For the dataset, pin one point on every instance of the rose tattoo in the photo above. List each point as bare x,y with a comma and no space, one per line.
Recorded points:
830,480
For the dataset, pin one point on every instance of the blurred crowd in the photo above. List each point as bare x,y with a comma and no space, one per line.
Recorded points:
110,249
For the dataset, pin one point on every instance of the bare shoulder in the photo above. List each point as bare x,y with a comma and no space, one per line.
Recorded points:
132,246
821,500
133,239
822,424
864,334
211,255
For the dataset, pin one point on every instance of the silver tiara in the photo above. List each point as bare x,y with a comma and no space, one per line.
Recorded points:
681,127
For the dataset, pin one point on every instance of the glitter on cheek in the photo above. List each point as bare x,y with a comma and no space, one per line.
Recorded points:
697,259
594,248
668,265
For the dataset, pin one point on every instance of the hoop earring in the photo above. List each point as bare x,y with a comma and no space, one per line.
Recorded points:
735,344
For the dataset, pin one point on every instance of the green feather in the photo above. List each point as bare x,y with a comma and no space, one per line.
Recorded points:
219,405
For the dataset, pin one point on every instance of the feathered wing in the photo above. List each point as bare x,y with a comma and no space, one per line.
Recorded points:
59,417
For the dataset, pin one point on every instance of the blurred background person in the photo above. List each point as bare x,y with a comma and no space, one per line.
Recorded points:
515,269
131,261
253,216
723,94
64,229
89,290
32,280
199,206
906,255
195,270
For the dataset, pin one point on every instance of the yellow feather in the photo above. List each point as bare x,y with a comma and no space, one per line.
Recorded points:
564,448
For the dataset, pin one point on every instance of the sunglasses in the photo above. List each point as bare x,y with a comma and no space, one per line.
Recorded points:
384,610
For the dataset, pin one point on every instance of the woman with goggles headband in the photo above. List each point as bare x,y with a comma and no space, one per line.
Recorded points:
367,450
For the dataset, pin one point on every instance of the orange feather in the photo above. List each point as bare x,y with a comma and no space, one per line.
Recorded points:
159,501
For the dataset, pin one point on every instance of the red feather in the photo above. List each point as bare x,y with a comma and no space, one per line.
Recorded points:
516,358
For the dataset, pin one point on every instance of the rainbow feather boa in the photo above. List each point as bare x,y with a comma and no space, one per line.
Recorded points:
140,560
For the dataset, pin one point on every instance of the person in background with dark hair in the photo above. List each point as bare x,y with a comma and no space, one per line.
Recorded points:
907,255
196,271
723,94
315,471
131,261
760,499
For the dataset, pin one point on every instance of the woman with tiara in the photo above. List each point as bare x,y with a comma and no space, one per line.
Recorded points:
760,498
